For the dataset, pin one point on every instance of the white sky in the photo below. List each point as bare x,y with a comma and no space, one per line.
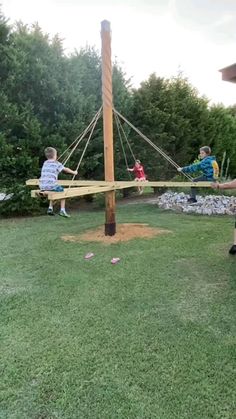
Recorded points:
162,36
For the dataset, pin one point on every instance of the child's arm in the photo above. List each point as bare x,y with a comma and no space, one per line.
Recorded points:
69,171
130,170
191,168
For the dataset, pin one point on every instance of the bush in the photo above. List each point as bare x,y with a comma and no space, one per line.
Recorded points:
99,200
20,202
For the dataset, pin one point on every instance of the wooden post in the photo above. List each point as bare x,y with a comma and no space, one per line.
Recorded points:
110,222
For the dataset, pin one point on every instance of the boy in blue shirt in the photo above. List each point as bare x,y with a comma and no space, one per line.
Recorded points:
208,166
49,177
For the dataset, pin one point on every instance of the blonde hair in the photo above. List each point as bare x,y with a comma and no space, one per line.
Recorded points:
50,152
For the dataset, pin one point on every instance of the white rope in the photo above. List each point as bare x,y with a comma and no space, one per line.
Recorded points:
159,150
87,143
79,139
121,142
126,138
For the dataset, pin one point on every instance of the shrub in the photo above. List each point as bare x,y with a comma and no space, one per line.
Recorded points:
19,203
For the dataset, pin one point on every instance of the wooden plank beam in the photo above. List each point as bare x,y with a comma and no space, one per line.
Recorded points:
74,192
172,184
127,184
35,182
81,191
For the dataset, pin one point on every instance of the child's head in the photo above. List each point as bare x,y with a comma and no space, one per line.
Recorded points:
137,162
50,153
205,152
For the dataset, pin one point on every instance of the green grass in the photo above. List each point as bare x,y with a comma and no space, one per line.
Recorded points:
150,337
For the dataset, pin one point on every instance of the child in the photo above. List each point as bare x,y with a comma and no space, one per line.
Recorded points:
138,170
208,166
48,181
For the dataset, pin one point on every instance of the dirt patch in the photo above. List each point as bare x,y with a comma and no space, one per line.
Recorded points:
124,232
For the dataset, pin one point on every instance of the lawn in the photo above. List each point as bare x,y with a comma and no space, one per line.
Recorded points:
152,337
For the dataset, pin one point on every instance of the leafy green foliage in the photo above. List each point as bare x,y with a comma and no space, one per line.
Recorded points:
173,116
19,202
222,133
48,99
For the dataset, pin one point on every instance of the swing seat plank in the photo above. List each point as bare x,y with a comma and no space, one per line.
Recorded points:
129,184
35,182
110,186
74,192
82,191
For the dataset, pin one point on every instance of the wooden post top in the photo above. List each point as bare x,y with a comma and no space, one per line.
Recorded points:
106,26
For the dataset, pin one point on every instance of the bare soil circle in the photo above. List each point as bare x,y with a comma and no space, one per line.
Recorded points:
124,232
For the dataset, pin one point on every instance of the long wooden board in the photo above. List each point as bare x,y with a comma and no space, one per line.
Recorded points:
74,192
109,186
35,182
127,184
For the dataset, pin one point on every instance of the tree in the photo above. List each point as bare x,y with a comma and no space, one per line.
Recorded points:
174,117
222,135
48,98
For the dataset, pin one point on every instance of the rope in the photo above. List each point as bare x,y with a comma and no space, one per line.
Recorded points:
87,143
79,139
121,142
159,150
126,138
81,135
84,133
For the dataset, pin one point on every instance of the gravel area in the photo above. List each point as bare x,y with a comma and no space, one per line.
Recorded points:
206,205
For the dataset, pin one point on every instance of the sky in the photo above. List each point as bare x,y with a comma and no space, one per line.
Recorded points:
196,37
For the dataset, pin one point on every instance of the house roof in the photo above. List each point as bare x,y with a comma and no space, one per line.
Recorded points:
229,73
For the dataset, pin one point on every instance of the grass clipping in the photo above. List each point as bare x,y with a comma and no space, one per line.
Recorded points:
124,232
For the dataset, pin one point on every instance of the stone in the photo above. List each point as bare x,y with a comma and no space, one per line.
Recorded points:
206,205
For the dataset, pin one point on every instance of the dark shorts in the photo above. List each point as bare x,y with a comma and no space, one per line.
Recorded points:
57,188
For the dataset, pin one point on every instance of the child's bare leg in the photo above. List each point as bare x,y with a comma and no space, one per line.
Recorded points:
63,211
140,190
50,208
63,204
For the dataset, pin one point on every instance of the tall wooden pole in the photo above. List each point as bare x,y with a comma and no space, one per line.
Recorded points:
110,222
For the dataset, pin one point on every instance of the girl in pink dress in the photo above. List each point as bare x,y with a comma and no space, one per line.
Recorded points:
139,173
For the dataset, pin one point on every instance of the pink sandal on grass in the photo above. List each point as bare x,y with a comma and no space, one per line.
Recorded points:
89,255
115,260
